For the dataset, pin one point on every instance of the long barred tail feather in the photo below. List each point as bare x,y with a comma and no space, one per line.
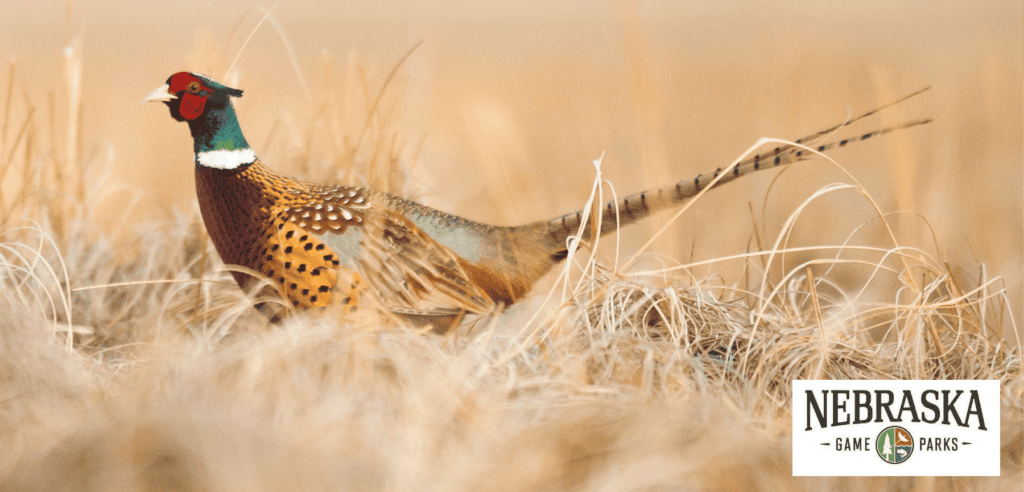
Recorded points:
635,207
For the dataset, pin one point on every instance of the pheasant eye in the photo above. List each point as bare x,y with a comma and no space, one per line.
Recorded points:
192,87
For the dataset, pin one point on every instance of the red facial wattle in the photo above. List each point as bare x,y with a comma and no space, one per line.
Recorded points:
193,94
191,106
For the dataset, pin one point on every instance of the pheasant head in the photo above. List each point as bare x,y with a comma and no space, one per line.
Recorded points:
206,105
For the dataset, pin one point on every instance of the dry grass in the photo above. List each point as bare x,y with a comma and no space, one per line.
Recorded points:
130,361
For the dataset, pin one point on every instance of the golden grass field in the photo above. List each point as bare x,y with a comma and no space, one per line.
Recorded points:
130,361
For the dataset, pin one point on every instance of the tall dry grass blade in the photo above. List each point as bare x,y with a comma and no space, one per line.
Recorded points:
291,56
7,104
25,190
73,79
9,158
376,101
816,311
644,91
252,33
533,332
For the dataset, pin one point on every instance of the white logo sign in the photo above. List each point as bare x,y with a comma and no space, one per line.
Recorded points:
896,428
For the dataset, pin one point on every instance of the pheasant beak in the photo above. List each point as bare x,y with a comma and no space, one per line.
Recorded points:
161,94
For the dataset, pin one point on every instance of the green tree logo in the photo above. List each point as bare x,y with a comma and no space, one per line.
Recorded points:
894,445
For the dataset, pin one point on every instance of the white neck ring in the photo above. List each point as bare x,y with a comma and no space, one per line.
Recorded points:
225,159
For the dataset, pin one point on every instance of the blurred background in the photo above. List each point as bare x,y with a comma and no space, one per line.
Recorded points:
498,114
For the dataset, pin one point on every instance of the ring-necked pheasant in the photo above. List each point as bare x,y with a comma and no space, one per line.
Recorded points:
424,264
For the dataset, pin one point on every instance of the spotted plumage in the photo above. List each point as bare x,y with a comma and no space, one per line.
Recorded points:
324,244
